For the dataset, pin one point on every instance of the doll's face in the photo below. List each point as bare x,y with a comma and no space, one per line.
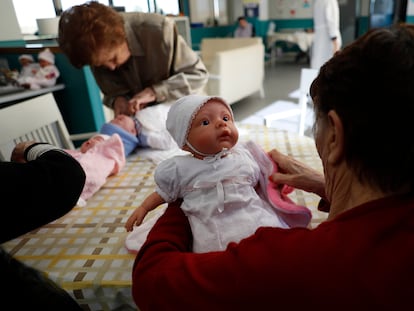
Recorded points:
213,128
43,63
90,143
25,62
126,122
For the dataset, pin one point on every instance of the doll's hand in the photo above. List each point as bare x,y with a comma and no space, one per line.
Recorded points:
136,218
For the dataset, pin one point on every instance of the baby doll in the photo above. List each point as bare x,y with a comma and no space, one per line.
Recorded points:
223,183
45,76
134,135
104,154
28,67
100,157
127,128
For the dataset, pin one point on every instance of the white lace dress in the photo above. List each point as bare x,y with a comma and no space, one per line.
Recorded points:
219,196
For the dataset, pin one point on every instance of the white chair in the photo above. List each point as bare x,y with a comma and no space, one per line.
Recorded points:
38,119
306,77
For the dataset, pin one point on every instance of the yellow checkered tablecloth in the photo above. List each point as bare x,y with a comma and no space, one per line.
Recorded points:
84,251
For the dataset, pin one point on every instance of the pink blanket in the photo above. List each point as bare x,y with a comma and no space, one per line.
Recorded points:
99,162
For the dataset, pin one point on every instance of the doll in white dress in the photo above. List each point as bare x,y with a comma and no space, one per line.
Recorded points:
222,182
45,76
28,67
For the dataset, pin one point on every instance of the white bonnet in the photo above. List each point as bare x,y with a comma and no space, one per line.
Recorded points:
47,55
26,56
182,113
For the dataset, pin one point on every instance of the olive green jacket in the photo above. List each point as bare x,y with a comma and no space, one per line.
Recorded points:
160,58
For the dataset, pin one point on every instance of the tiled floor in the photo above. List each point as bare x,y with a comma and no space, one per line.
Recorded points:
281,79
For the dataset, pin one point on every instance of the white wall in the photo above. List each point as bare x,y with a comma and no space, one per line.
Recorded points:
10,29
201,11
280,9
410,8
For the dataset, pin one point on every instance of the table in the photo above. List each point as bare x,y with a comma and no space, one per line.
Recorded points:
302,39
84,251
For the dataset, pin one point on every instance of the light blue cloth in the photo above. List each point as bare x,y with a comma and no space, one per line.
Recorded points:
130,141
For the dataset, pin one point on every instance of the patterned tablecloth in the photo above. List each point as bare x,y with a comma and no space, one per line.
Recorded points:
84,251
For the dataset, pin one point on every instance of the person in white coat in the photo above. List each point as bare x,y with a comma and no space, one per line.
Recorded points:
327,36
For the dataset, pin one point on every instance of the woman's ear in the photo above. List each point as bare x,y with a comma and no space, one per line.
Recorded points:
335,140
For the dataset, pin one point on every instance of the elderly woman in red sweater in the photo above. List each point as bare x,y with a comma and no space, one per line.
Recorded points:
360,258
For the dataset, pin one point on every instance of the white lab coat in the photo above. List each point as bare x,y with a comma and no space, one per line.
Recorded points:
326,26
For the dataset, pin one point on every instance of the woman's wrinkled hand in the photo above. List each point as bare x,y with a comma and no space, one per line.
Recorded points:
296,174
142,99
130,107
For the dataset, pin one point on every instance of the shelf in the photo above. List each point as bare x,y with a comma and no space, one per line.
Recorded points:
10,99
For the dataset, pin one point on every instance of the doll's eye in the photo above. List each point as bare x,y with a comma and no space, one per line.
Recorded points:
205,122
226,118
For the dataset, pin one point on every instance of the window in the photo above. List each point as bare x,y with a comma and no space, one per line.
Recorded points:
132,6
66,4
27,11
167,7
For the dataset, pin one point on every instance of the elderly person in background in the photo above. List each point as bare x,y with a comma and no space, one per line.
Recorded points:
362,257
137,58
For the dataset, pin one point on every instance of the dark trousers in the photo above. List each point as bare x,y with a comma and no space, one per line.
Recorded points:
25,288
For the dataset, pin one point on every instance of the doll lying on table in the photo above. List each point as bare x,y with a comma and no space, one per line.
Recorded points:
144,130
104,154
100,157
223,183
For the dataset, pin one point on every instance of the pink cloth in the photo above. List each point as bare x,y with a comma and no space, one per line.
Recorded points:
277,195
104,159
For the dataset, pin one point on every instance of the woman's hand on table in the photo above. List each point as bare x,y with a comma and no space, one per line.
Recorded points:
296,174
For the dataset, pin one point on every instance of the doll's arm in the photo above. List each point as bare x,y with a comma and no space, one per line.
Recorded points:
151,202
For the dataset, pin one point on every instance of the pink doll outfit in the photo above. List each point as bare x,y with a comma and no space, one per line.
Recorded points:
104,159
219,192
